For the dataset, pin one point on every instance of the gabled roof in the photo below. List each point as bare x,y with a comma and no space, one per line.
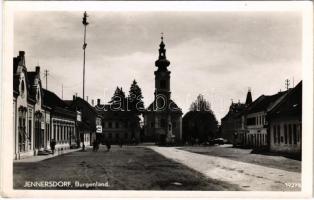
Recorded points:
265,103
291,104
16,83
57,105
173,107
108,113
78,101
235,110
52,100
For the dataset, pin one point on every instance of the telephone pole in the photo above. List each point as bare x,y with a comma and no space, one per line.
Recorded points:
85,23
46,137
46,76
287,83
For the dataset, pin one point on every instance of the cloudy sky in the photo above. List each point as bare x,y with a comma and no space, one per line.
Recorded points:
217,54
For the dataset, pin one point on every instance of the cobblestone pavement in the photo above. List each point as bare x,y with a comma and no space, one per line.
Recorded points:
245,175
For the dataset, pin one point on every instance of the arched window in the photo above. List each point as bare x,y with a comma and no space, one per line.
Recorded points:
38,95
22,87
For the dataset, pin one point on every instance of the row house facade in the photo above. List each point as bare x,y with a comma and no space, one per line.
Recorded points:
285,123
36,118
62,125
28,110
89,126
272,122
256,124
118,125
232,124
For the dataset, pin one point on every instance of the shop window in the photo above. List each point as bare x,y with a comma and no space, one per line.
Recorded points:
275,134
251,121
117,124
290,134
285,134
278,134
109,124
22,132
294,134
54,131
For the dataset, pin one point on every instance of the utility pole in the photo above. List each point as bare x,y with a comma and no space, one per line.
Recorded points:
287,83
46,76
62,92
46,127
85,23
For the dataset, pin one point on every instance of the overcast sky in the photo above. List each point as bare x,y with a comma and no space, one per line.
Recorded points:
217,54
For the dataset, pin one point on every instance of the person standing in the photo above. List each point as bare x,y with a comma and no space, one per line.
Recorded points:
53,145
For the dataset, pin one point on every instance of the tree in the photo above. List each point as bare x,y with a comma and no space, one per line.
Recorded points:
200,104
118,100
200,122
135,99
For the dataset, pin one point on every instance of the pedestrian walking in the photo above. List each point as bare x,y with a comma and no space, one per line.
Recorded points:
108,145
53,145
95,145
120,142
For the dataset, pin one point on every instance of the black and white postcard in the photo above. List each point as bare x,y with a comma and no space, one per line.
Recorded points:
157,99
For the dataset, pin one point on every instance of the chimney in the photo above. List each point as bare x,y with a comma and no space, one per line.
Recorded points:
248,97
87,98
92,102
37,69
73,97
98,101
21,58
21,53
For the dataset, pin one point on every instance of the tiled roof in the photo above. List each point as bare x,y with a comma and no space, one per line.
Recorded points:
174,107
264,103
52,100
235,110
291,104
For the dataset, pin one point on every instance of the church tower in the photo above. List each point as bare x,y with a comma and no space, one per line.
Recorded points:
162,79
163,118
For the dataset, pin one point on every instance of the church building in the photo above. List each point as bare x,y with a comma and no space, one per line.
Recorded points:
163,118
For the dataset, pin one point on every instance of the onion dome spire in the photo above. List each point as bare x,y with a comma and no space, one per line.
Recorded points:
162,62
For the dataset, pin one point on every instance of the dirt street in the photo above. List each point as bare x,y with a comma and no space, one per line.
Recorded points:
243,174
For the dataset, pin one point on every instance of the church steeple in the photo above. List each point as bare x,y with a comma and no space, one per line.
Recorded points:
162,63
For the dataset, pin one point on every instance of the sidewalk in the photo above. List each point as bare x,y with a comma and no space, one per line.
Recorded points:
44,157
246,175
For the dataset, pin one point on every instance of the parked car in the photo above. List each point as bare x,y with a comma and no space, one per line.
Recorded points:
219,141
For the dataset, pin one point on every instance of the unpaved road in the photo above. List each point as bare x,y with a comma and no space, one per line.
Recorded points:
245,175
